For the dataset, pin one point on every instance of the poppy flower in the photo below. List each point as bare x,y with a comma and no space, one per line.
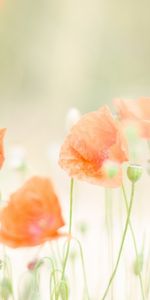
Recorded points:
2,133
136,112
32,215
92,142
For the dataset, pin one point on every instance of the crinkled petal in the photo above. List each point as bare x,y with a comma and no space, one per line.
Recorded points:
93,140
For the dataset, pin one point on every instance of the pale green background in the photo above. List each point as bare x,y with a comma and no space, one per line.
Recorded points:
58,54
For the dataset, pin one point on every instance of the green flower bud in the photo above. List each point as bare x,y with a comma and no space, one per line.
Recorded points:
134,172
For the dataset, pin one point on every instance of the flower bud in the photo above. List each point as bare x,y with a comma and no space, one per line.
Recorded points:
134,172
31,265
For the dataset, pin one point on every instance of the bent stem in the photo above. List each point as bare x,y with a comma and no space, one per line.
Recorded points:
122,244
69,231
134,241
83,269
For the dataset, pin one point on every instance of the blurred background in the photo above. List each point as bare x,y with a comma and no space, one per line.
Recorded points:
60,54
56,55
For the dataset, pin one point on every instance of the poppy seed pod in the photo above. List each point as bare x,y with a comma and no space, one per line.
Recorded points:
134,172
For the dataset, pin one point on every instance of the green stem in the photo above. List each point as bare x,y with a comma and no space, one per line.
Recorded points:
122,244
54,291
148,275
134,240
7,271
109,227
84,271
69,231
70,228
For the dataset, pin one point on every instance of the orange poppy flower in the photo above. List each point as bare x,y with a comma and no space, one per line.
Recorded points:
136,112
32,215
2,133
92,142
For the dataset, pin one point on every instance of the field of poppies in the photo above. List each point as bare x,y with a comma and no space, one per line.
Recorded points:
86,238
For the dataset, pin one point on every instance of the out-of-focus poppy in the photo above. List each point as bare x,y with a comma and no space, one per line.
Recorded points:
135,112
32,215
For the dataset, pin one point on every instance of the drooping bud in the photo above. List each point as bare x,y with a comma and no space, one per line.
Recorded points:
134,172
31,265
34,264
